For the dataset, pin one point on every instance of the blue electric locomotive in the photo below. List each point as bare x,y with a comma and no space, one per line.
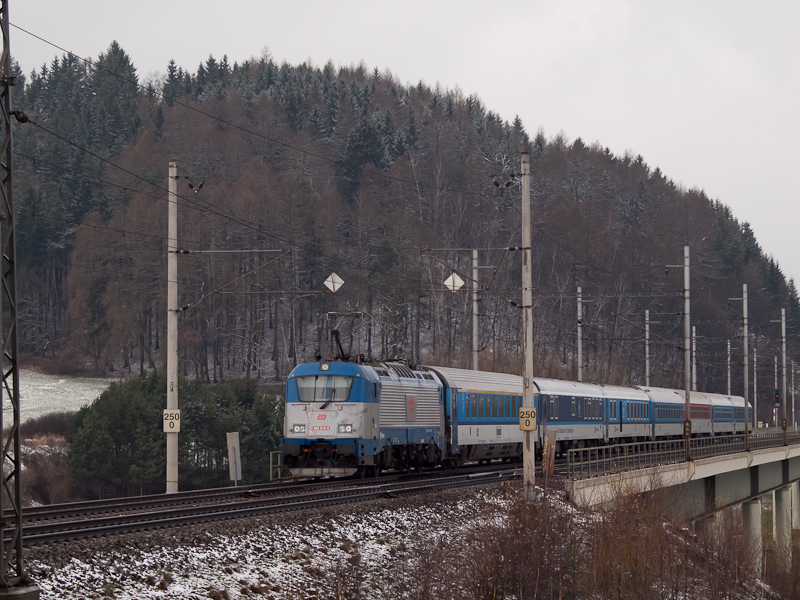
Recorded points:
342,418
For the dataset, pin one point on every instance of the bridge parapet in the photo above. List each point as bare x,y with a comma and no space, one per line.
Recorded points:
603,460
697,487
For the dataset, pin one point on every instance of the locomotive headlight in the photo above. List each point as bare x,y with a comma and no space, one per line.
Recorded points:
298,428
345,428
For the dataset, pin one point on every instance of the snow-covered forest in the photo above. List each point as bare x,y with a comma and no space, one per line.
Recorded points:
348,170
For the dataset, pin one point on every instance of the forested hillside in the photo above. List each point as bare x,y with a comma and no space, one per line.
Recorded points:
355,172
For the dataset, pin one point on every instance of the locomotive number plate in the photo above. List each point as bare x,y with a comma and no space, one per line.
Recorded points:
527,418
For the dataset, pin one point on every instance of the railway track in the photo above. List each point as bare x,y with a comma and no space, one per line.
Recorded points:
59,523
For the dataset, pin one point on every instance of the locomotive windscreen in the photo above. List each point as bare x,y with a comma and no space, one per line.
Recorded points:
324,388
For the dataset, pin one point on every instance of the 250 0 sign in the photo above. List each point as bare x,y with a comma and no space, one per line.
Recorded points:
527,418
172,420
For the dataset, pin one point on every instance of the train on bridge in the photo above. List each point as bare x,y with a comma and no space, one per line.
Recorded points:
344,418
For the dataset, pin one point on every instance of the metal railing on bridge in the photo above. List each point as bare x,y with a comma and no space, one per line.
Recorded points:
604,460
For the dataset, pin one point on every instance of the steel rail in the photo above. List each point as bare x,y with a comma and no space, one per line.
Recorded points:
239,493
59,531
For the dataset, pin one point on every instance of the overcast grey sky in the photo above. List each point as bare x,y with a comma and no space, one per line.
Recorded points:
705,90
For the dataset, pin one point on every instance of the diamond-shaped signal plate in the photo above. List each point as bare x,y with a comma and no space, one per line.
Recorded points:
333,282
454,283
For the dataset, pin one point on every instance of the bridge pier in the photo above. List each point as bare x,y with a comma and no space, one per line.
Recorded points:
25,592
751,515
795,488
782,524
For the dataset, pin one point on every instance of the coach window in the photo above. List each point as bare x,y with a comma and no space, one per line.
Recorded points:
474,405
494,406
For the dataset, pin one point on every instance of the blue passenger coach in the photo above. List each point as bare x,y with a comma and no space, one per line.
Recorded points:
482,414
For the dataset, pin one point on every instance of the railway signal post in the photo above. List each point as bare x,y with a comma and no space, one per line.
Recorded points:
529,446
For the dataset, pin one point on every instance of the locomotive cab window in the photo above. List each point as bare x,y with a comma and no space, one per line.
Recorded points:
324,388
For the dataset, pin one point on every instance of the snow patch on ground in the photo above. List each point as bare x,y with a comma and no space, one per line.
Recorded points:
297,555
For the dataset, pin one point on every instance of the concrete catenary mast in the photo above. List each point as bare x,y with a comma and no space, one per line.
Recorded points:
172,326
529,448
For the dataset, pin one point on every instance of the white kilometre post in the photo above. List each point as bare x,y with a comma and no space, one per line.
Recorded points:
529,447
775,408
687,359
580,335
475,310
729,367
745,356
755,388
172,325
783,377
647,348
694,358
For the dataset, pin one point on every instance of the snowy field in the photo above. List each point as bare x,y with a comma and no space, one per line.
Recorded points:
41,394
304,555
